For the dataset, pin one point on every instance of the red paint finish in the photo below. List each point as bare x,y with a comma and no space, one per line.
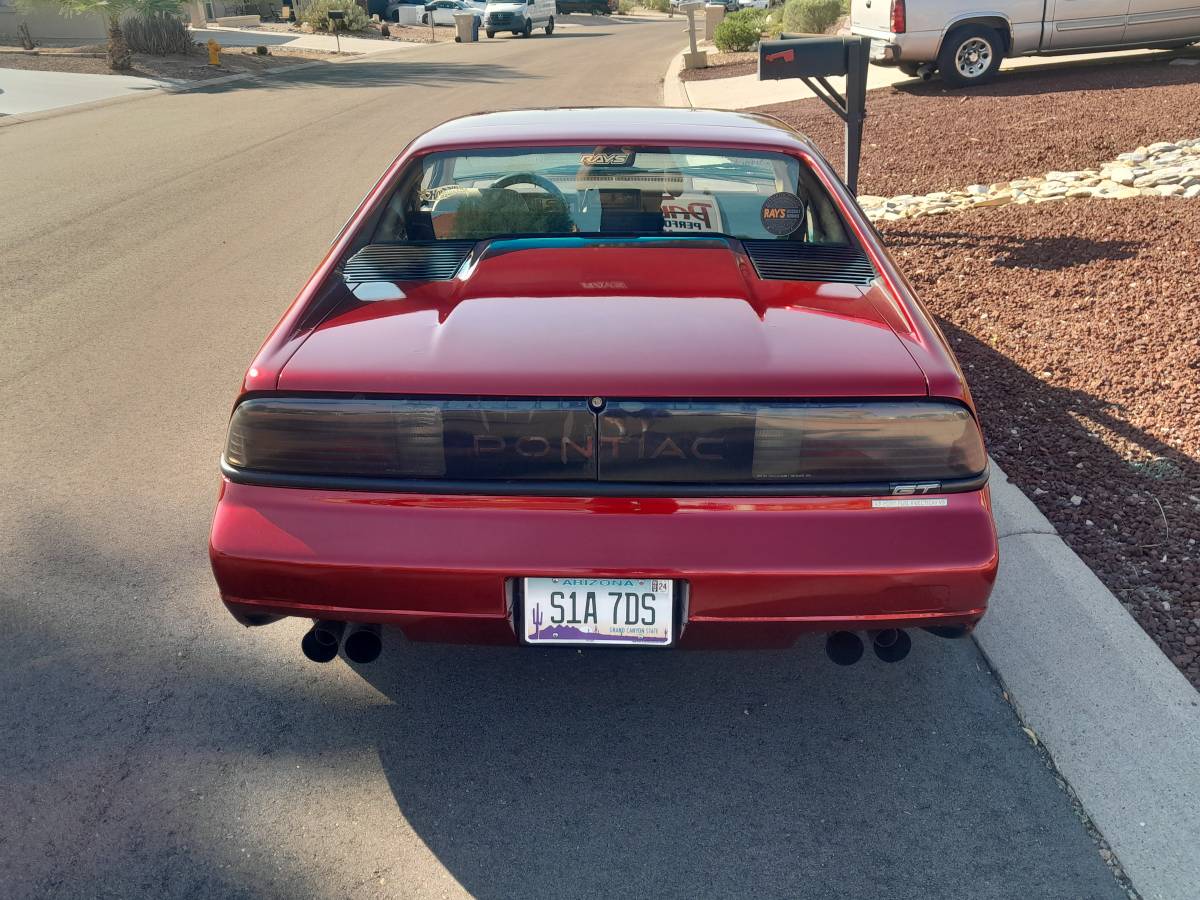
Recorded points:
658,322
797,564
690,323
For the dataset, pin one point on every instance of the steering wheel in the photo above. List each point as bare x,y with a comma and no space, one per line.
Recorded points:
537,180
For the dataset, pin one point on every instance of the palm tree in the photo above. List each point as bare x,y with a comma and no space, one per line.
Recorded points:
119,54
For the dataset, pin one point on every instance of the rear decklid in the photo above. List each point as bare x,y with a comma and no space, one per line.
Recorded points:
570,318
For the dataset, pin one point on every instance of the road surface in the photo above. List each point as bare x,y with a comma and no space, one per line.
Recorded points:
153,748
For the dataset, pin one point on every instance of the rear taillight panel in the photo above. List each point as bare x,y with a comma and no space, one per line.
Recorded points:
613,442
899,17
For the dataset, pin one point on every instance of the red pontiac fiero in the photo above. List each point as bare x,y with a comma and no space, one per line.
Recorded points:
606,377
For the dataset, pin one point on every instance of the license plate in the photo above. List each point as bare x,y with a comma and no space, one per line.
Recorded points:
599,611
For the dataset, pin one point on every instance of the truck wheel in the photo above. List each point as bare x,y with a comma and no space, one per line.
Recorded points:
550,27
971,55
490,34
528,28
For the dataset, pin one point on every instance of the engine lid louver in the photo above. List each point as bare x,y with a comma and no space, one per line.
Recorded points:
798,261
426,261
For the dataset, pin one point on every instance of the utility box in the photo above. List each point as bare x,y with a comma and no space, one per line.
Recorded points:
714,15
409,14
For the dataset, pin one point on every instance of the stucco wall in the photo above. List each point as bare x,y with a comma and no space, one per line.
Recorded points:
48,26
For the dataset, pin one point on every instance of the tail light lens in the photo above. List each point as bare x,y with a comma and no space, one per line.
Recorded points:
789,443
899,17
664,442
418,439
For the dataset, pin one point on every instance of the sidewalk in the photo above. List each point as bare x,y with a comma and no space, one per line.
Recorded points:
28,91
745,91
249,37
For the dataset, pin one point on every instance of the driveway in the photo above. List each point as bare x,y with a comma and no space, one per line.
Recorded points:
154,748
28,90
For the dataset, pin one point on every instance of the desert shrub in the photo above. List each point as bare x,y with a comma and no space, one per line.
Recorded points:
812,16
156,33
657,5
625,7
740,30
316,14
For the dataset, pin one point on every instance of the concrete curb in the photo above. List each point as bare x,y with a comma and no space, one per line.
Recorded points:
674,90
1119,720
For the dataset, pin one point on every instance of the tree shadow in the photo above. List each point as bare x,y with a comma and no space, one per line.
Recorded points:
374,74
1121,497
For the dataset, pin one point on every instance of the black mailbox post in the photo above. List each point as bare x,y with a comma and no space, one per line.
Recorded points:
814,58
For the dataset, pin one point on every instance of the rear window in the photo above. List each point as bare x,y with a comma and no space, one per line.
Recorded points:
483,194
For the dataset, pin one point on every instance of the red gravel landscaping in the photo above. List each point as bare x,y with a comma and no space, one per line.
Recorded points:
1076,323
927,137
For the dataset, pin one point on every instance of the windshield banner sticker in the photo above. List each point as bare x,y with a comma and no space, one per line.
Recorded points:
691,213
782,213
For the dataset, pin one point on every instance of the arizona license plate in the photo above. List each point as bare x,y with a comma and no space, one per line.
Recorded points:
602,611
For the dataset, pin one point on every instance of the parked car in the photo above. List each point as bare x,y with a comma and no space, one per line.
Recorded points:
443,11
520,17
594,7
604,377
754,4
966,41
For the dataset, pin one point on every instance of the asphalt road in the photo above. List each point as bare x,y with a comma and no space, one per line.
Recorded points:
151,747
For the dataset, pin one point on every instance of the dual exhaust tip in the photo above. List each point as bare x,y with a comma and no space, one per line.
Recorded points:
362,643
890,644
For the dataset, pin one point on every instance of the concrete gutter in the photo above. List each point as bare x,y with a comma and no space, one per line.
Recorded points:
674,89
1121,723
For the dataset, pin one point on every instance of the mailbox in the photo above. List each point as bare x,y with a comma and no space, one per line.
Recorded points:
803,56
814,58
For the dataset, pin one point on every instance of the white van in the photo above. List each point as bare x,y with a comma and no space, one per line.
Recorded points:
518,16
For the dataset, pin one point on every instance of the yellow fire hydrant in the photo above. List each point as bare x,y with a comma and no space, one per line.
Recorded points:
214,53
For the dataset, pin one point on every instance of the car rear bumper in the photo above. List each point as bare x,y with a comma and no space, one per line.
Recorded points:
888,49
758,571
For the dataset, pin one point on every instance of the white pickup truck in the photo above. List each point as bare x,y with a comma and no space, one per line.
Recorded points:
966,41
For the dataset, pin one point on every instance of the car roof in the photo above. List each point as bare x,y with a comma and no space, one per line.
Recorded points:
624,125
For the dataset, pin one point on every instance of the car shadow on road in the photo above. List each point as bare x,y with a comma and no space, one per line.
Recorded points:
186,764
615,774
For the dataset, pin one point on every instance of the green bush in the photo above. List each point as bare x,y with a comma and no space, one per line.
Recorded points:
657,5
812,16
625,7
740,30
316,14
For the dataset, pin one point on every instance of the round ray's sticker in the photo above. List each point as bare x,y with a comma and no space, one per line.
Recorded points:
782,213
